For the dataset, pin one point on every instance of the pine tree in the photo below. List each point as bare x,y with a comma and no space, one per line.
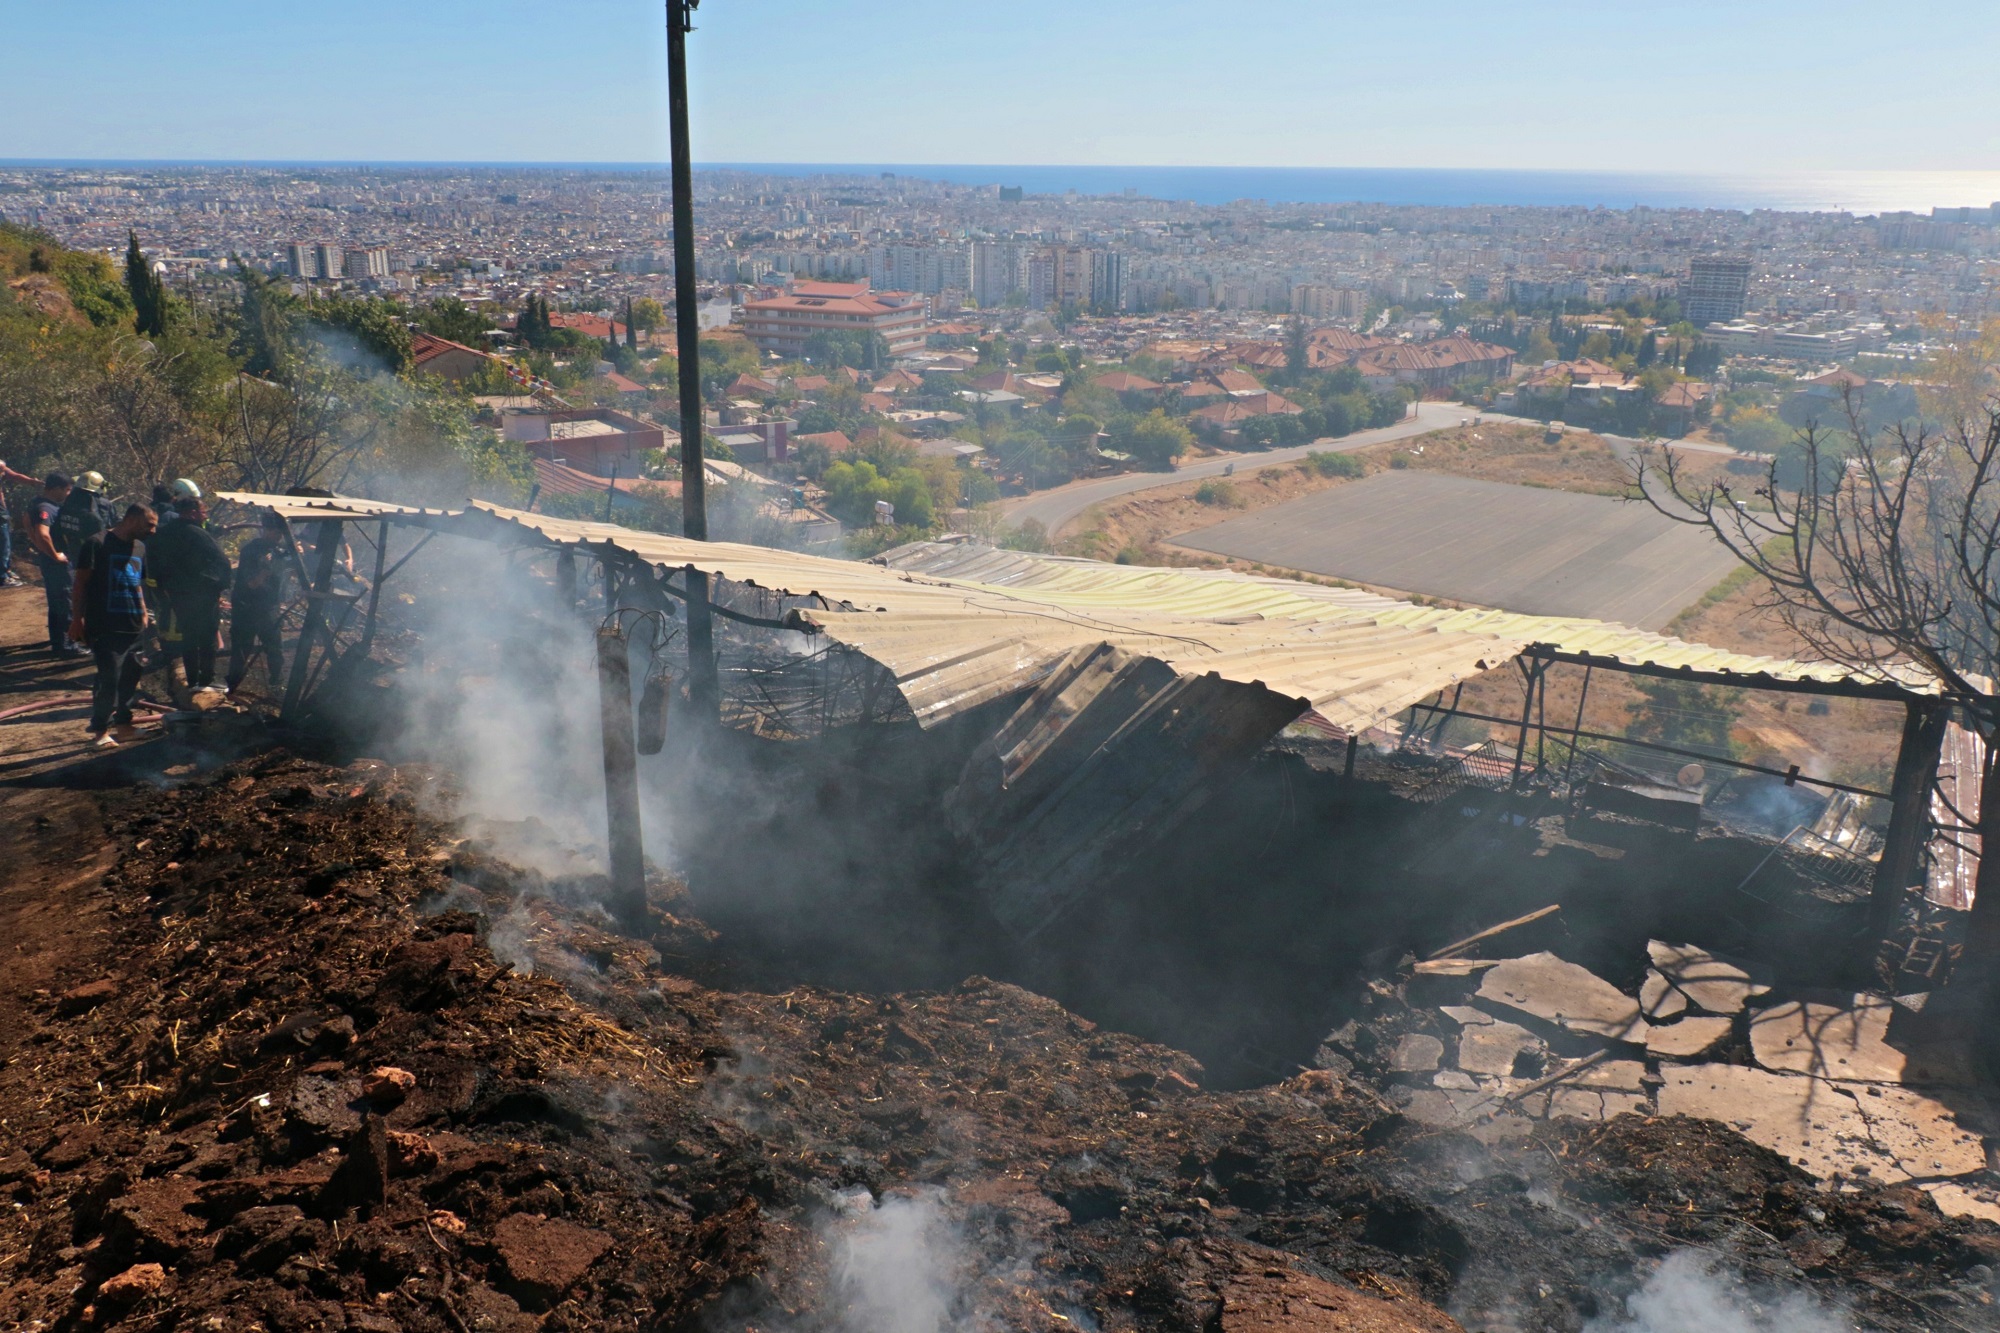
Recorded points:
149,295
1649,350
631,334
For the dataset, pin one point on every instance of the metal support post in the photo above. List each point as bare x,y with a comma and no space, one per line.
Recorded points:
1353,747
329,557
624,838
702,685
1909,811
1531,672
687,315
375,588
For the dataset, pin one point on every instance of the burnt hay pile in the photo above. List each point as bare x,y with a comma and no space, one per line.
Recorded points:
341,1074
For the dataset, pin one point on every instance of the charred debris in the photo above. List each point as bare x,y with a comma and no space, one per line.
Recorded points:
1413,1030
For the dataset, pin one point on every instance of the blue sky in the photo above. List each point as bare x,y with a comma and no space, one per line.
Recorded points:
1691,85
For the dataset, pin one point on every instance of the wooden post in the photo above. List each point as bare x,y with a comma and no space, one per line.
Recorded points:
1910,810
703,689
329,557
624,839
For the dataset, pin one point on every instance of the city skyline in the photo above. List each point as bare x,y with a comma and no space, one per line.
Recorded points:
1718,90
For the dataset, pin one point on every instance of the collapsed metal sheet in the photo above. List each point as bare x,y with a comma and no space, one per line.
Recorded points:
961,625
1109,753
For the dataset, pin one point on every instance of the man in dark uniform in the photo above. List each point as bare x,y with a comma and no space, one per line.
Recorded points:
54,565
111,616
189,567
84,513
255,601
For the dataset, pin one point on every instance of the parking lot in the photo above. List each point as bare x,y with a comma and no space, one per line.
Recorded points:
1517,547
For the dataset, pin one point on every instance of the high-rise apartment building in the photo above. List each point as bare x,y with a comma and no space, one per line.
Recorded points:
329,260
370,263
1717,290
1060,275
929,269
999,269
1107,280
301,261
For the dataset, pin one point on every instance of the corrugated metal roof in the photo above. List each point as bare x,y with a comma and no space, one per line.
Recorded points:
961,624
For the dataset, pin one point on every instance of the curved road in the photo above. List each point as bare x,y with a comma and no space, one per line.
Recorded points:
1058,508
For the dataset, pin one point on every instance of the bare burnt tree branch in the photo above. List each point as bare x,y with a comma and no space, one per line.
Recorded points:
1881,554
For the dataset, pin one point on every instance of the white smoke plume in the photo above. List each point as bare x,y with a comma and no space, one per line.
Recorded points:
1691,1293
896,1264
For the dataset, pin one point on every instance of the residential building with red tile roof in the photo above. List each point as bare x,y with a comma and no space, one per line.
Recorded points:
783,323
431,355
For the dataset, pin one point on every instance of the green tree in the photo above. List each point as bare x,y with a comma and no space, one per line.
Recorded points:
149,294
1295,348
645,314
1154,440
450,318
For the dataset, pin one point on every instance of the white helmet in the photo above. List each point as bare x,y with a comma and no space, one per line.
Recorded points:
91,481
183,489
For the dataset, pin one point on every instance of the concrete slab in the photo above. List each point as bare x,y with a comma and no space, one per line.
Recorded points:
1956,1200
1417,1053
1549,988
1690,1037
1828,1042
1491,1047
1658,1000
1717,986
1610,1076
1886,1135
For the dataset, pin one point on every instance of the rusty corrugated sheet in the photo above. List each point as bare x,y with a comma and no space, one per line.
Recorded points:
961,625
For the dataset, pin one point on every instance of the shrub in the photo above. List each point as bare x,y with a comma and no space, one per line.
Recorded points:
1400,460
1220,493
1336,465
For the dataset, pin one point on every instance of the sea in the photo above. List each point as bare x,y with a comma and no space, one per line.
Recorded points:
1859,192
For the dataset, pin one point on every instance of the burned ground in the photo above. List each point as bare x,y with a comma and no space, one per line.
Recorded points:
600,1135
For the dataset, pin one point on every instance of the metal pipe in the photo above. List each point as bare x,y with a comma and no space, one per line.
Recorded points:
329,556
687,314
702,686
624,838
375,589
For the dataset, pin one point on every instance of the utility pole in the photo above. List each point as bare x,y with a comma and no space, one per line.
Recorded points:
687,317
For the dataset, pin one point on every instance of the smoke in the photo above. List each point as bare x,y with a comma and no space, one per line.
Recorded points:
1689,1293
896,1264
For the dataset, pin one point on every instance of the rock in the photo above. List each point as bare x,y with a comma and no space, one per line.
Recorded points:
546,1256
1955,1200
1263,1298
85,997
1453,1081
1688,1038
1718,987
1492,1047
133,1285
1658,998
1465,1015
410,1154
1417,1053
388,1085
1828,1042
1549,988
448,1222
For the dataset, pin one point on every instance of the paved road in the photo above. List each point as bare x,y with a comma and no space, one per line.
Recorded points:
1519,547
1057,508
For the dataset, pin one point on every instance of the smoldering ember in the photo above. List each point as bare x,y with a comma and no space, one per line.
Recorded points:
603,929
